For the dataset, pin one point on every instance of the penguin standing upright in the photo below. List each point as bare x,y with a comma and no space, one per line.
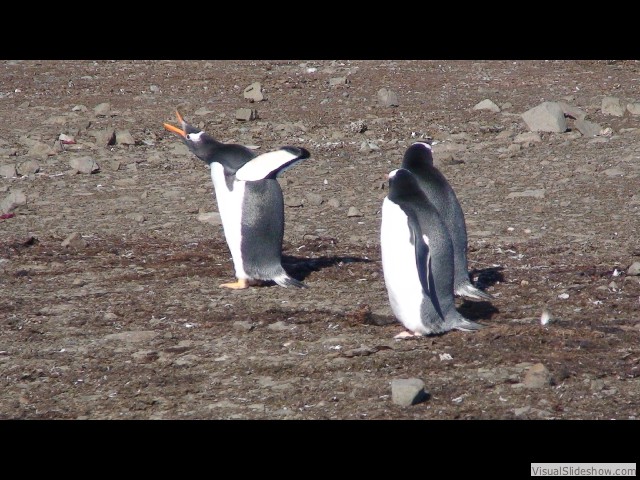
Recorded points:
418,260
250,203
418,160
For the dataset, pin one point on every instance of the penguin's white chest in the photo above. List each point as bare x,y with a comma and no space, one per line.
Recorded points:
399,267
230,208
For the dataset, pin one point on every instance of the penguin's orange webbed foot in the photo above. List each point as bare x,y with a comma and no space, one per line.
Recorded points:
407,334
238,285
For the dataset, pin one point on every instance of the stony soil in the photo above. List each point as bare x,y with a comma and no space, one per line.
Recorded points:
125,320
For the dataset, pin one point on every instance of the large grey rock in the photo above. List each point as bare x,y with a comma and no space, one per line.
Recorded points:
246,114
28,167
359,126
487,104
408,391
12,201
8,171
571,111
587,128
633,108
365,147
313,199
514,147
537,376
634,269
27,141
8,152
102,109
124,137
41,150
546,117
66,139
106,137
388,98
293,201
242,325
84,165
253,92
613,172
212,218
612,106
353,212
114,165
338,81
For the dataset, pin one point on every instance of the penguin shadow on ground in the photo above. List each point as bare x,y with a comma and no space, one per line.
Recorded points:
301,267
485,277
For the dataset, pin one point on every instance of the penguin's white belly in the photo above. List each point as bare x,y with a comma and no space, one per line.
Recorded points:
399,267
230,209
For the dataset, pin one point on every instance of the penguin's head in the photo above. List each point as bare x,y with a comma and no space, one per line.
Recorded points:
418,156
398,175
402,183
201,144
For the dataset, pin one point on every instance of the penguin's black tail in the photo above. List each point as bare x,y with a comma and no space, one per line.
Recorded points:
467,290
285,280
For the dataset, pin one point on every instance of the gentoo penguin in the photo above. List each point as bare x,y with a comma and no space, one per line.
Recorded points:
249,201
418,160
417,260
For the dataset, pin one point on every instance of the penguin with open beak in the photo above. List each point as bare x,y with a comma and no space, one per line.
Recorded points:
250,203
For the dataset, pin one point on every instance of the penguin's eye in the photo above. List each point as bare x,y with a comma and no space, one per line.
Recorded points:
194,137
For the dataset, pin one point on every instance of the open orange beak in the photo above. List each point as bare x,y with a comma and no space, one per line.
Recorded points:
177,130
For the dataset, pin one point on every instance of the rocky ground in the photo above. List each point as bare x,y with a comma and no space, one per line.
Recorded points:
111,252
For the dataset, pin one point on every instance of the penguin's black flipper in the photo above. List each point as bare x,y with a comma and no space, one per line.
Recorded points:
423,258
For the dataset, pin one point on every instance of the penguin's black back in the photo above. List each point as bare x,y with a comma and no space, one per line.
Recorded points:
418,160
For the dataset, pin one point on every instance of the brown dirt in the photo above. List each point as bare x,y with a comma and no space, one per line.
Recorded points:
134,326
